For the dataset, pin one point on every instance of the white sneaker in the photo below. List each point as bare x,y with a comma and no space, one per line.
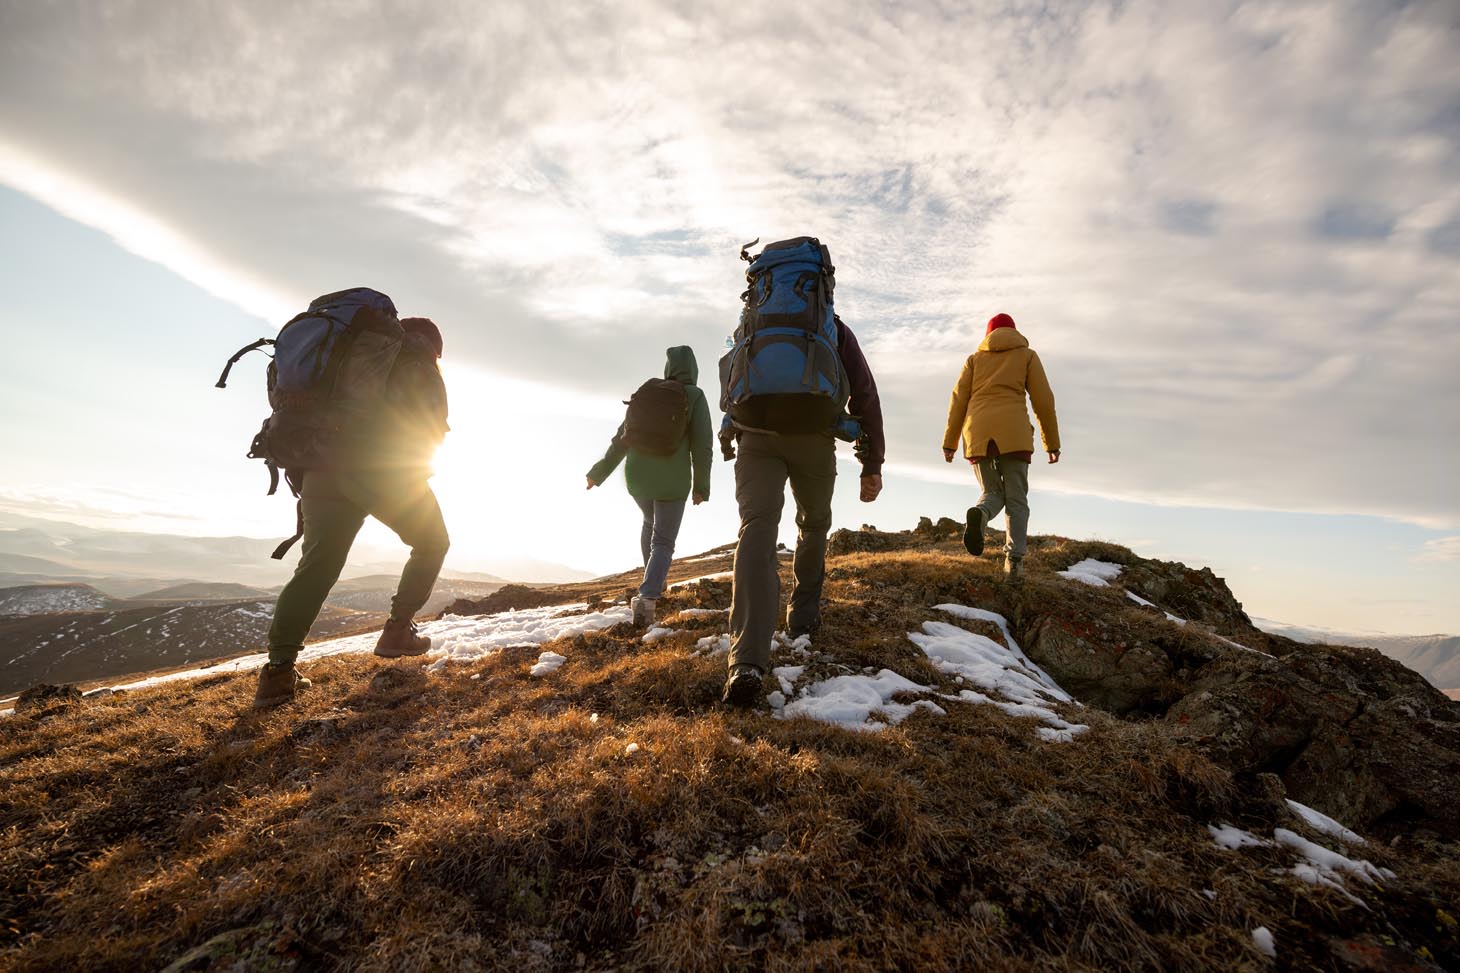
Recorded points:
644,611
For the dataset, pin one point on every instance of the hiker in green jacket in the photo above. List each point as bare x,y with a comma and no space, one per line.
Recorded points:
660,476
385,476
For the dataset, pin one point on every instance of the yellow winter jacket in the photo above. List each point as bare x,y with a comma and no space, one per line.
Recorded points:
988,401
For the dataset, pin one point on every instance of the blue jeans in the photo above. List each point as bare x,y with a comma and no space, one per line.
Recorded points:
661,528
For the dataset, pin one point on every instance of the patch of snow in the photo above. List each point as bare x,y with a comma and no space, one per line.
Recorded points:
1023,688
1092,572
456,638
1262,939
547,662
658,633
1330,863
777,700
1150,604
1322,822
720,576
700,612
850,701
631,749
787,676
713,645
1231,838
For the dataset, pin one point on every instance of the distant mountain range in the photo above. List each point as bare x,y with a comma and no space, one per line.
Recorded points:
1436,657
74,632
127,564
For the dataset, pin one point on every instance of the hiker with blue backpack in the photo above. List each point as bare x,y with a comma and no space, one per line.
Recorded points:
792,383
667,438
359,408
987,412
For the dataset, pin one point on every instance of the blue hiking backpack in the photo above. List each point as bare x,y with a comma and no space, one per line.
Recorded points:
783,372
326,383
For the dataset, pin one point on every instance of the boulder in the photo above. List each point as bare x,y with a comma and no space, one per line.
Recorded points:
44,697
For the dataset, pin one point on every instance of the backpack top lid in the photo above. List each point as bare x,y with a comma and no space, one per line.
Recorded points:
801,249
354,297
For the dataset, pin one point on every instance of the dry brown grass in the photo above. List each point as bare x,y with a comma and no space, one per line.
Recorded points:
395,819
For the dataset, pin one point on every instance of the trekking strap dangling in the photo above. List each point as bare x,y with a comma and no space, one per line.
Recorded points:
223,379
283,548
745,250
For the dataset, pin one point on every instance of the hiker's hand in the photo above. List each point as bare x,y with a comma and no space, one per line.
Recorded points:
700,498
1054,457
727,448
591,482
948,455
871,486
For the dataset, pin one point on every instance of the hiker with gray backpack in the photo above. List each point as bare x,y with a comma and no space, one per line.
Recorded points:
359,408
793,382
667,438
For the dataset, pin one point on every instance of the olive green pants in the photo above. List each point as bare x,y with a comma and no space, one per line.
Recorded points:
763,465
335,507
1005,483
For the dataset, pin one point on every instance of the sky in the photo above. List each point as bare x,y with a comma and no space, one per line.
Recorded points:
1231,230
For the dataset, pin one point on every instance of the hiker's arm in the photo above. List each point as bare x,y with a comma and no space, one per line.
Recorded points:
604,468
1042,398
865,403
727,438
958,409
701,447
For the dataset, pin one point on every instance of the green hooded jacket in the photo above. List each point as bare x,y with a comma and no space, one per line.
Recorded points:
688,467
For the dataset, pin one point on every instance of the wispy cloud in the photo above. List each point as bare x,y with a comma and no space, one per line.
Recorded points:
1229,228
1441,549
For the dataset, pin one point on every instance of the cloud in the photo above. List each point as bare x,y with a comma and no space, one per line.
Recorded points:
1228,228
1441,549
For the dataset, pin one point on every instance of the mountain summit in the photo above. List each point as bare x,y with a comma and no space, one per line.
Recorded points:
1105,767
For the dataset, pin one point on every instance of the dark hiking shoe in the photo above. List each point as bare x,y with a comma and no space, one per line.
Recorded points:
796,631
400,639
742,686
973,532
279,682
1013,569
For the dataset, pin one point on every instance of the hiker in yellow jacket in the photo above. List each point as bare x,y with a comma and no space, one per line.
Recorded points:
987,411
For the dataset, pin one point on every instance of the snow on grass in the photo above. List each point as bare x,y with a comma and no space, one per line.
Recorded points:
713,645
700,612
1023,688
721,576
1262,939
547,662
851,701
1150,604
455,638
1231,838
1330,863
787,676
658,633
1092,572
1319,821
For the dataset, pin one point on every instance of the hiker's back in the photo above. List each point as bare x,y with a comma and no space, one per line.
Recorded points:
783,372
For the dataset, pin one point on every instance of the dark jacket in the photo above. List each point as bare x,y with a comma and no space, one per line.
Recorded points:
414,421
671,477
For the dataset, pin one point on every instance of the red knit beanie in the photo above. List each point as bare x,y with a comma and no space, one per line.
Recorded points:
426,328
999,320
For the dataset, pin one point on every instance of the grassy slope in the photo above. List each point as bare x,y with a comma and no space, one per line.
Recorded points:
480,818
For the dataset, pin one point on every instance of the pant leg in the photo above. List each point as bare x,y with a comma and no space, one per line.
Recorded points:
760,492
668,515
407,506
812,464
1015,476
646,532
991,501
331,521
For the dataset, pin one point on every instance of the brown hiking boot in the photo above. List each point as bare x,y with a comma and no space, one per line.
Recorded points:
400,639
1013,569
279,682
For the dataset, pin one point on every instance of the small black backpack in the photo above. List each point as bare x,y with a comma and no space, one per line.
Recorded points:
657,418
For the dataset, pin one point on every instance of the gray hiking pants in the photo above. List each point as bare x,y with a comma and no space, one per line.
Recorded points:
1005,485
763,465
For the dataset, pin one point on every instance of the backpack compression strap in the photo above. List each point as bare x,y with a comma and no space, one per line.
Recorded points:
283,548
223,379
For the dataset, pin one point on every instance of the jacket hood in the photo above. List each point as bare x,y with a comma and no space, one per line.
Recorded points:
1003,339
680,365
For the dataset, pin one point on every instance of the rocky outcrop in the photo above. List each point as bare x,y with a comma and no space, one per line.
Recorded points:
512,597
39,699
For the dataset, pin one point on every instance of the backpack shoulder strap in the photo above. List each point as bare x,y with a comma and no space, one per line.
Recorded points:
223,379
